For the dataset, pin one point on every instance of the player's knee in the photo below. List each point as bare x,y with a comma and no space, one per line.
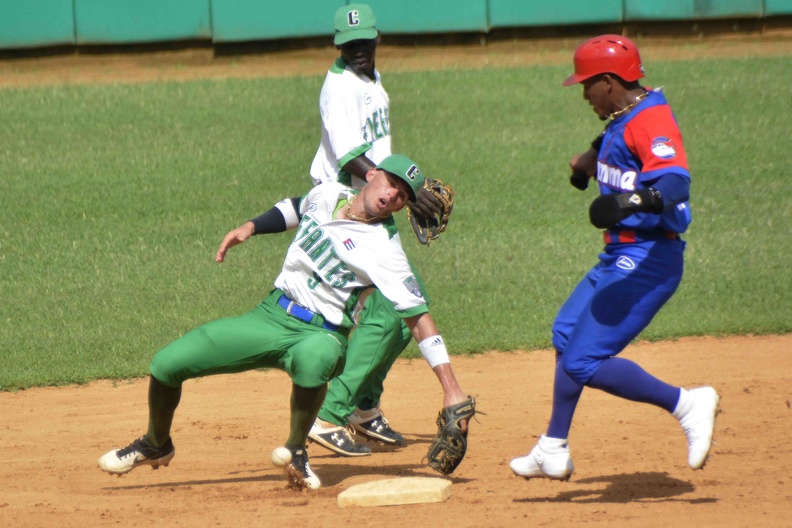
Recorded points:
579,369
560,337
311,368
165,370
559,343
178,361
559,356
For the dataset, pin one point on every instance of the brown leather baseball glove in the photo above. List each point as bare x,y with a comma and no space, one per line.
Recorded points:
450,445
429,215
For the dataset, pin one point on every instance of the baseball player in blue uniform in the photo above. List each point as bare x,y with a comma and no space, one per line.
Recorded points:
640,166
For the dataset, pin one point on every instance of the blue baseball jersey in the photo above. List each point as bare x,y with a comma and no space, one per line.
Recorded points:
623,292
637,149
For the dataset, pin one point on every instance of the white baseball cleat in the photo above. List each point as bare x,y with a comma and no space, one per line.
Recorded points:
548,459
696,413
138,453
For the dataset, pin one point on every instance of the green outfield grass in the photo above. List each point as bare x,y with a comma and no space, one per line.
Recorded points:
113,200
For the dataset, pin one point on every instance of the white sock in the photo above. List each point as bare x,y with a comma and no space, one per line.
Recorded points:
553,444
683,405
368,414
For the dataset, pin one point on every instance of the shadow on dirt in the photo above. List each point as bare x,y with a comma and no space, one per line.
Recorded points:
187,483
331,475
625,488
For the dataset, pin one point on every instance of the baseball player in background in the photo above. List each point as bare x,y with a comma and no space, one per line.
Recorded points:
356,135
641,168
346,241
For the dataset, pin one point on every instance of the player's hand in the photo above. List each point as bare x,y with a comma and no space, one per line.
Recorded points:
585,162
453,398
234,238
426,204
579,180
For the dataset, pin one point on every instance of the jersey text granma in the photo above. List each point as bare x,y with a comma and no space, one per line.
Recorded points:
320,250
615,178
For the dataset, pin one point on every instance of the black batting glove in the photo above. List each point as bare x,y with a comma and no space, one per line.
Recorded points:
579,180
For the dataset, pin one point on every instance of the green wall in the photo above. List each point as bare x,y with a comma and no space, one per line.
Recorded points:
130,21
30,23
36,23
691,9
241,20
777,7
430,16
511,13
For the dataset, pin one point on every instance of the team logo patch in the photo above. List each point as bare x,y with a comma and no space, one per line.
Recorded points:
625,263
412,286
349,244
353,18
663,148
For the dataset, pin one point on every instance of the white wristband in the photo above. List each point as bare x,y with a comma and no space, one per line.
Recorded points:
289,214
434,351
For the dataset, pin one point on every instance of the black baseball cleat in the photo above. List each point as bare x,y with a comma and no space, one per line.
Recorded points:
337,439
373,425
299,471
138,453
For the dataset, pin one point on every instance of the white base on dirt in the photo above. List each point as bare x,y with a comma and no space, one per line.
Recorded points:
391,492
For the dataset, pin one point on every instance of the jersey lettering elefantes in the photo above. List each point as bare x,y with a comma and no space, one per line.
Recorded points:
639,148
377,125
319,248
355,116
330,261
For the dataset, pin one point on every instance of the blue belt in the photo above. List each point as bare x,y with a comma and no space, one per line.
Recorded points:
304,314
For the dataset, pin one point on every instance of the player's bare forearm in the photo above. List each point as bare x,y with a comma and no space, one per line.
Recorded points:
584,162
452,392
422,326
359,166
425,332
234,238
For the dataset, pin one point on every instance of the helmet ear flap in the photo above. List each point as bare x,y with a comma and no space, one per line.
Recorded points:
606,54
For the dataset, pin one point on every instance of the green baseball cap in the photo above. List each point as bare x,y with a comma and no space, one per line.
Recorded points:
354,22
403,167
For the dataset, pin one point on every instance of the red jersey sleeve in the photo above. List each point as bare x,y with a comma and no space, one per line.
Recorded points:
653,136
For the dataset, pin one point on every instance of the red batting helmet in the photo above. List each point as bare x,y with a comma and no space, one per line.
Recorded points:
606,54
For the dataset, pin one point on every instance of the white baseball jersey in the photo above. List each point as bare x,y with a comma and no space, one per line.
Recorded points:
330,261
355,121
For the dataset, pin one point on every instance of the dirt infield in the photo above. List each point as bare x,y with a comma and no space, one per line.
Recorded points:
630,458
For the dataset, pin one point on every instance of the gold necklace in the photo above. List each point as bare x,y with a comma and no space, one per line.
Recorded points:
351,216
624,110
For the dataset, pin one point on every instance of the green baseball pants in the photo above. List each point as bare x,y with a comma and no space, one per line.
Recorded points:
265,337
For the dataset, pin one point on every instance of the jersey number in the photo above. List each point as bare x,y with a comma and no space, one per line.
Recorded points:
314,282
